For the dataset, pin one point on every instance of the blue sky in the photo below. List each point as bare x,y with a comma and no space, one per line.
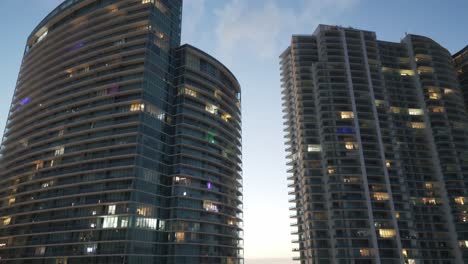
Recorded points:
248,36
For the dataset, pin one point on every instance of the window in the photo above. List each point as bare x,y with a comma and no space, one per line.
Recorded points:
181,180
211,108
146,223
429,185
395,110
137,107
42,34
110,222
379,103
434,96
90,248
460,200
226,117
350,145
155,112
380,196
406,72
59,151
40,251
11,201
387,233
61,260
144,210
6,220
61,132
188,91
347,115
448,91
314,148
429,201
418,125
364,252
463,243
404,252
47,184
39,164
388,164
415,111
437,109
210,206
180,236
111,209
331,170
124,222
210,137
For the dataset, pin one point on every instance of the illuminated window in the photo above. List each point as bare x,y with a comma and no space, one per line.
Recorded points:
404,252
11,201
226,117
39,164
61,260
314,148
232,221
418,125
47,184
387,233
90,249
137,107
146,223
434,96
124,222
331,170
111,209
463,243
351,145
460,200
6,220
425,69
415,111
211,137
448,91
144,211
388,164
59,151
365,252
154,111
110,222
397,215
211,108
180,236
181,180
40,251
429,185
379,103
188,91
347,115
406,72
395,110
437,109
429,201
380,196
61,132
210,206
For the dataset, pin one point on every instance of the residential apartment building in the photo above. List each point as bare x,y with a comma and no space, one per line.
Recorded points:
121,146
460,61
376,133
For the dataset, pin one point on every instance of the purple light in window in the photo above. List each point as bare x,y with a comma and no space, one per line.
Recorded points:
25,101
209,185
114,89
77,46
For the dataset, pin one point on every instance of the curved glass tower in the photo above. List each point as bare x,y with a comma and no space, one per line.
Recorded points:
120,146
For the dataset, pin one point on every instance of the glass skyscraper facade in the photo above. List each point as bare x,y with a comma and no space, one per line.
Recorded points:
377,141
460,61
121,146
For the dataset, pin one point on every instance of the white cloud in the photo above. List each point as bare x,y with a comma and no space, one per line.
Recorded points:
265,30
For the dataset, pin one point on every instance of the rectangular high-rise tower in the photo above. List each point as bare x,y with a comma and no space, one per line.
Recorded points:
376,136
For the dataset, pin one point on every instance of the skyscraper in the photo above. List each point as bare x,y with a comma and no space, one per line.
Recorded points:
460,61
120,145
376,135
